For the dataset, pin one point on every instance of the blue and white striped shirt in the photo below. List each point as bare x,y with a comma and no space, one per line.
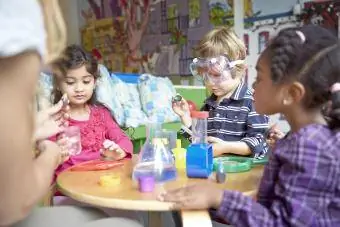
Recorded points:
235,119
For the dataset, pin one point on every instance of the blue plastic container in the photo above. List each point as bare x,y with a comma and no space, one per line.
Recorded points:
199,160
131,78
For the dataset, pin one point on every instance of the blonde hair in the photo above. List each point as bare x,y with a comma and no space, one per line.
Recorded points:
55,30
223,41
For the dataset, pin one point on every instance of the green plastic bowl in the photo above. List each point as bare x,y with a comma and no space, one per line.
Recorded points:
262,161
234,164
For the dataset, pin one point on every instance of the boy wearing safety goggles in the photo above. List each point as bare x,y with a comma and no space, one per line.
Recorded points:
234,127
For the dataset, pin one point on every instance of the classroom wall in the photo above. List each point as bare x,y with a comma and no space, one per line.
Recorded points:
153,39
70,10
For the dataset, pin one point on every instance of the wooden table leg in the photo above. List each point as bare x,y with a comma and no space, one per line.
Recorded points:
196,218
154,219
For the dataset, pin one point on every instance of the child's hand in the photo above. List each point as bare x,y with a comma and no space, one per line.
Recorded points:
219,145
181,108
183,111
112,150
274,135
110,145
199,196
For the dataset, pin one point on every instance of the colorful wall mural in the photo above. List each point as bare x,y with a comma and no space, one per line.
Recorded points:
158,36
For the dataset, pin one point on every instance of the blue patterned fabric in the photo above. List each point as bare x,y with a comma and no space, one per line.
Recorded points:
156,94
44,91
130,100
108,93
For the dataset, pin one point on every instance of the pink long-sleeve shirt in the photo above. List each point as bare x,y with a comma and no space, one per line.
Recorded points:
94,131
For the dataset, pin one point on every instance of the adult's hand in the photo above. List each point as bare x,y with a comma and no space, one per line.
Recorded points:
51,121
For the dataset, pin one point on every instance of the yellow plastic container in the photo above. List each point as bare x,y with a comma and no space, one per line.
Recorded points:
109,180
180,155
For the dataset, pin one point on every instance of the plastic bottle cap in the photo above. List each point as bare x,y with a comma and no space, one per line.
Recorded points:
178,143
200,114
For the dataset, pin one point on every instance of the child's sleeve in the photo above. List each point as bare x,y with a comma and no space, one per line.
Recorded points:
114,133
305,186
256,127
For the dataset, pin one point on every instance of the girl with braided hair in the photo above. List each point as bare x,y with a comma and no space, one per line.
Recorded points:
297,75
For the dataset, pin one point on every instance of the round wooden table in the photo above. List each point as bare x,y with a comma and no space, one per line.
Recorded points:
83,186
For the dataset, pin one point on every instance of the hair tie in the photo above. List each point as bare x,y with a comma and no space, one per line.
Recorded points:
335,87
301,35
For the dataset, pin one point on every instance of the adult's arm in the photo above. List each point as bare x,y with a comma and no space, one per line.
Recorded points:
23,180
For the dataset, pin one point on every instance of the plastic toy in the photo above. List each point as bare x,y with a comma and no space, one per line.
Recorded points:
199,158
177,98
179,154
96,165
220,173
155,158
146,183
192,106
233,164
109,180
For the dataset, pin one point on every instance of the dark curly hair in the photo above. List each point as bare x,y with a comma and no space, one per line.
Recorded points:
73,57
310,55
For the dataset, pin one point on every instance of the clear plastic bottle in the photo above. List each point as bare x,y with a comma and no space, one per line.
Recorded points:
220,172
199,127
199,156
155,159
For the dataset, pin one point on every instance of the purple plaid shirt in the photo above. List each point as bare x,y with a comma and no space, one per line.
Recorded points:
300,185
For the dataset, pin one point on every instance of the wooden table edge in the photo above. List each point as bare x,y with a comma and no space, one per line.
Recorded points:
122,204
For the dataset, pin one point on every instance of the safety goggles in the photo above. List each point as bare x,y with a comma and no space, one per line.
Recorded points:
213,70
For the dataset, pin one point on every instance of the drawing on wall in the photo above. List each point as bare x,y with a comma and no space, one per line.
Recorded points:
246,42
322,13
178,38
137,16
114,38
166,25
248,8
263,40
220,13
168,60
172,16
273,14
194,13
103,33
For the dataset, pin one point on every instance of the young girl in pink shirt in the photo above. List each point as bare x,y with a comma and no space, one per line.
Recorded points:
76,74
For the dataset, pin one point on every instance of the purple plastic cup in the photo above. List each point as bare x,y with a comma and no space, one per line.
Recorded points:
146,183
